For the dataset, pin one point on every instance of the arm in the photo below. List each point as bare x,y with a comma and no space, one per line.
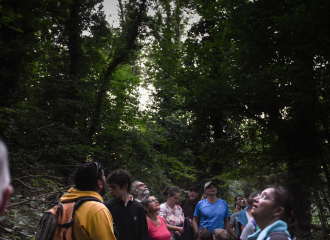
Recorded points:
226,224
247,231
232,231
144,229
242,227
196,224
174,228
104,223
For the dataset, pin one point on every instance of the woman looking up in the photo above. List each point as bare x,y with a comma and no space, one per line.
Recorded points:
171,212
272,211
156,224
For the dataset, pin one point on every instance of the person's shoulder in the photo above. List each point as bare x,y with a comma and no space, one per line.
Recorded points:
110,202
136,204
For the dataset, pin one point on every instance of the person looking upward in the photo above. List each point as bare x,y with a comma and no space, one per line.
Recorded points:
157,225
238,201
211,212
273,212
245,216
139,190
92,220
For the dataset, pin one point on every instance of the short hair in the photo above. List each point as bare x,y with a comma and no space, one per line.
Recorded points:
133,188
145,202
120,177
204,234
171,191
235,199
4,169
221,234
87,176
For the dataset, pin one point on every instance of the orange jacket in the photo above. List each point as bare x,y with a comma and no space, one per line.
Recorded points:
92,220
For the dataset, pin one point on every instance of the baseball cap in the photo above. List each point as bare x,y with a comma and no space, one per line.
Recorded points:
208,183
193,188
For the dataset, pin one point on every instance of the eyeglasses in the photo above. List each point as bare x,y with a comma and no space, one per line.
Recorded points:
153,201
262,196
97,170
211,186
243,200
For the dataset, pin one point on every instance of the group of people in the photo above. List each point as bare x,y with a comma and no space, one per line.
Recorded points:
135,214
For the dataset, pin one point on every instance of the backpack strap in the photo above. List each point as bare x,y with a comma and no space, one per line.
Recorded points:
279,234
79,202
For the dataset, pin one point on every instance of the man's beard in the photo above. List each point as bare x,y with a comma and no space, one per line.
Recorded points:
104,188
143,193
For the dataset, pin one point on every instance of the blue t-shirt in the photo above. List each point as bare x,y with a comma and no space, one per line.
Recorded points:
212,215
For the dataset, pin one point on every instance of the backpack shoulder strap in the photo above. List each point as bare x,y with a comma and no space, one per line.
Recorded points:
279,235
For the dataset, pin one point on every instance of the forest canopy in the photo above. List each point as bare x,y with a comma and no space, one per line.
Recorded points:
240,96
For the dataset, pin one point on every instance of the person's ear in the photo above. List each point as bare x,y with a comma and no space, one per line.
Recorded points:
5,198
146,208
279,211
125,186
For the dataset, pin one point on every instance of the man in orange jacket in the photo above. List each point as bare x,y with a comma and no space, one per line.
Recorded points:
92,220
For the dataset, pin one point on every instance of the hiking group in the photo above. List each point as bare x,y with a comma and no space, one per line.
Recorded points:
135,214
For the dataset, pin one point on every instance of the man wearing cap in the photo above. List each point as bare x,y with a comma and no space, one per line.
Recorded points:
188,205
211,212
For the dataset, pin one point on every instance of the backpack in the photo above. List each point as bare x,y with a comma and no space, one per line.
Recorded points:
57,223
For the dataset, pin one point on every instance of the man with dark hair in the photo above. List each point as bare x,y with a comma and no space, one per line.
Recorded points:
5,188
92,219
211,212
237,202
139,190
234,226
128,215
188,205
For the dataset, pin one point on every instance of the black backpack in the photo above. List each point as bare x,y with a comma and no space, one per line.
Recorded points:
57,223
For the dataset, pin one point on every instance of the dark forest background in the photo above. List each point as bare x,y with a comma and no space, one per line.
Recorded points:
241,97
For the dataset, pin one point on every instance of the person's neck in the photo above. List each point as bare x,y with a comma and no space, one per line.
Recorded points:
262,223
238,208
171,205
140,198
192,200
153,216
212,198
125,197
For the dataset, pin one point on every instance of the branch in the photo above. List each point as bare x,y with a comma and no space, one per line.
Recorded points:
42,128
36,198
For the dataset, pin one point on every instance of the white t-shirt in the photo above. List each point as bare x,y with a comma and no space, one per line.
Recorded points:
249,218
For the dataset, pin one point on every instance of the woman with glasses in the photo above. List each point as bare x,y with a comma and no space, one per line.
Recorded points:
172,212
156,224
273,212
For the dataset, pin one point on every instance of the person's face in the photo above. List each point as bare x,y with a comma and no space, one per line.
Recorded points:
116,191
153,204
264,206
142,189
174,200
244,202
104,185
192,194
211,190
238,201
